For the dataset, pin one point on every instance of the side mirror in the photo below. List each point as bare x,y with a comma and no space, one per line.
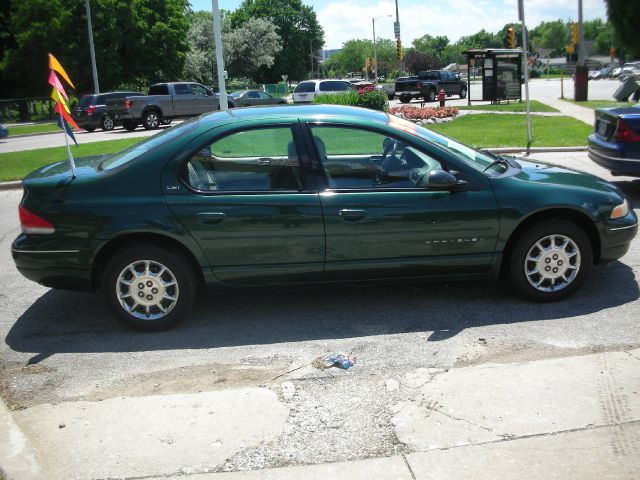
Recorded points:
441,180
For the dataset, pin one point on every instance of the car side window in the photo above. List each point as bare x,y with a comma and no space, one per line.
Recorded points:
198,89
182,89
263,159
356,158
264,96
253,95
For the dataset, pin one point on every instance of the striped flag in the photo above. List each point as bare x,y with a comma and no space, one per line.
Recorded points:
65,122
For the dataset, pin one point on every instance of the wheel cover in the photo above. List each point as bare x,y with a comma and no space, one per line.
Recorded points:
152,120
147,290
552,263
108,123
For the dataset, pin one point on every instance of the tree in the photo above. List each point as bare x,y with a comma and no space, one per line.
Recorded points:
432,46
416,61
242,58
352,56
300,33
481,39
136,43
624,16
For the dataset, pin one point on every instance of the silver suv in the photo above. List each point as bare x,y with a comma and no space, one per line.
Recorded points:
307,90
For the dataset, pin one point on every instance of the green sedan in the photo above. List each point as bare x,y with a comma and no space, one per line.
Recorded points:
309,194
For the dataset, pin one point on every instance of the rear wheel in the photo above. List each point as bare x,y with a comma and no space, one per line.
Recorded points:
431,95
151,120
107,122
129,125
463,92
550,260
147,287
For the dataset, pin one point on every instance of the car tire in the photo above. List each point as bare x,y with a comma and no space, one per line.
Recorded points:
550,260
405,98
129,125
463,92
141,281
90,129
151,120
391,96
107,123
431,95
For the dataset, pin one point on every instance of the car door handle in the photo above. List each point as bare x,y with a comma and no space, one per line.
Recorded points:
210,218
351,215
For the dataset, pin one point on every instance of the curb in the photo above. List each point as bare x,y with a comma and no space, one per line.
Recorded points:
17,457
25,135
15,185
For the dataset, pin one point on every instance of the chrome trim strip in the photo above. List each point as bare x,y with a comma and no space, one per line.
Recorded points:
623,228
44,251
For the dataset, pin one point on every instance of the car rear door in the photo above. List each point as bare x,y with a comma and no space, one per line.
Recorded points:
249,203
379,223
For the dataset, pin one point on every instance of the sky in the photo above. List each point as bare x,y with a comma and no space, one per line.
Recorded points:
345,20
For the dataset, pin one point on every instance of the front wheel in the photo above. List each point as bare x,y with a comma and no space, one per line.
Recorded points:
148,288
463,92
550,260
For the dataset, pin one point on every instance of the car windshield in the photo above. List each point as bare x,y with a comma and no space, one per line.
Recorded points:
135,151
476,159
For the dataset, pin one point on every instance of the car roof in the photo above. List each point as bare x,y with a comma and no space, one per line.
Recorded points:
305,112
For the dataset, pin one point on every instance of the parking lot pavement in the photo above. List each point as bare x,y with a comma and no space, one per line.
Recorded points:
241,365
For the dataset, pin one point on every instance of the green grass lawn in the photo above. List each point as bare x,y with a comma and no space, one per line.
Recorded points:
601,103
487,130
15,165
35,128
536,106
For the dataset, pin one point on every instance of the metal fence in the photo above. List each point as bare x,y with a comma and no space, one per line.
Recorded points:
27,110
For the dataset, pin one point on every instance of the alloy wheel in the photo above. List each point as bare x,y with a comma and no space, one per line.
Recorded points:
552,263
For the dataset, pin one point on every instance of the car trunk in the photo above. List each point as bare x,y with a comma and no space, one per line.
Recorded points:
607,121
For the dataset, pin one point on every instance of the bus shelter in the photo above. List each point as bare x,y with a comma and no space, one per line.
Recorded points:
501,74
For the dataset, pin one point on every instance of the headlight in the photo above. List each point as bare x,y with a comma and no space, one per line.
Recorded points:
620,210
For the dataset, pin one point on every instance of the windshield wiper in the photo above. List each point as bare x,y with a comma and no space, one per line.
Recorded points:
498,159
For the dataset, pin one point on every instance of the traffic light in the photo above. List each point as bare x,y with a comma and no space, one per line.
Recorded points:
575,35
399,49
511,37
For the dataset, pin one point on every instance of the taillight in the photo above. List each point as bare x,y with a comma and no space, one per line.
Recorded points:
624,133
91,109
33,224
127,104
418,85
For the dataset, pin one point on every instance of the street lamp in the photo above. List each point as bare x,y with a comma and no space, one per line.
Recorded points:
375,50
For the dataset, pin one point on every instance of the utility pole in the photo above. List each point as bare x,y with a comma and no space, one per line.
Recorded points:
525,66
396,29
96,87
375,50
217,39
582,58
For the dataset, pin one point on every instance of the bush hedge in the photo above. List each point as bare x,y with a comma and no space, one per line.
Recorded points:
374,100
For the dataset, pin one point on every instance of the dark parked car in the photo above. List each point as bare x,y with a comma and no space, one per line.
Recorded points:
615,141
308,194
91,112
427,85
252,98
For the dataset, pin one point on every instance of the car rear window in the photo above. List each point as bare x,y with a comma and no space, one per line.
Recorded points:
305,87
86,100
333,86
135,151
429,76
159,90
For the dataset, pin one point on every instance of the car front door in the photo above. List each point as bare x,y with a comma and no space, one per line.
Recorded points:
250,205
203,99
183,100
381,221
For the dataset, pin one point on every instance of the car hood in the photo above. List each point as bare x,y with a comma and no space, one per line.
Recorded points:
548,173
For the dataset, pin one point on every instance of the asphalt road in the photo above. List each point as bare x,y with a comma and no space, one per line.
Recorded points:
64,347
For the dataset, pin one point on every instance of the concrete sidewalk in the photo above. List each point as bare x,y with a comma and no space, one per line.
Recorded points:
567,417
571,109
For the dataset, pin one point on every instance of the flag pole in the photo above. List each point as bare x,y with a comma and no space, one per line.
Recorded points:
66,139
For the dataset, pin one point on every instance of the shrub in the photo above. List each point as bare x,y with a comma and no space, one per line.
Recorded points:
374,100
